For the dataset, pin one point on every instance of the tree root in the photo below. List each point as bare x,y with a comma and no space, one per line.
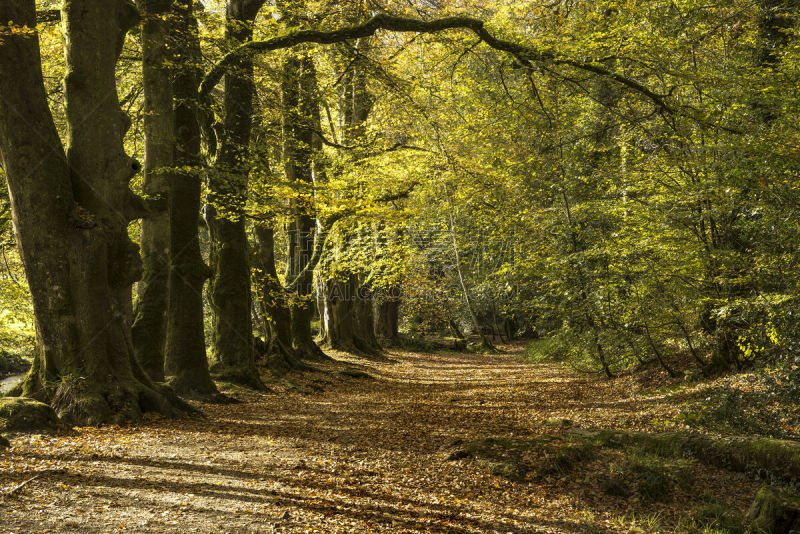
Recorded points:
239,376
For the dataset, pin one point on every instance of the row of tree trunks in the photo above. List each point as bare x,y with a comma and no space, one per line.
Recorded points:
71,211
76,213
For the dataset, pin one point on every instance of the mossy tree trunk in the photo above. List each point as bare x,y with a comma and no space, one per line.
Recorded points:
186,356
150,308
232,356
71,211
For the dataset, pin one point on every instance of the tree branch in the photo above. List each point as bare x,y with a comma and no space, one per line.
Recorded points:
393,148
525,54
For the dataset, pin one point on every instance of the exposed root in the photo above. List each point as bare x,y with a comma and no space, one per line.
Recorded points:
79,403
311,352
239,376
24,414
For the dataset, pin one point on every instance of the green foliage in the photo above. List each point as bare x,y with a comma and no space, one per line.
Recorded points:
16,313
548,349
624,234
761,402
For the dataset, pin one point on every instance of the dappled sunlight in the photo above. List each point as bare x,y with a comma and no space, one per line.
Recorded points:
363,455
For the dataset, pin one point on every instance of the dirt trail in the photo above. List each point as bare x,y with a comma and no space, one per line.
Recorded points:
330,453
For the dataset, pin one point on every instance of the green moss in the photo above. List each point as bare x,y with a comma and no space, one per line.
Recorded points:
774,512
779,459
23,414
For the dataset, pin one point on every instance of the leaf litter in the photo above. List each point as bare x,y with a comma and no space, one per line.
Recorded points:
340,453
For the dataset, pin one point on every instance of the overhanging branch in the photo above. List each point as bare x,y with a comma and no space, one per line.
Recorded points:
527,55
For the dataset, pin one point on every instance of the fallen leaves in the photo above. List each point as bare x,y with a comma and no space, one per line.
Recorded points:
358,456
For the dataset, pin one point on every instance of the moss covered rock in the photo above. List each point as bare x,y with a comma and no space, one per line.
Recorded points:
21,414
774,512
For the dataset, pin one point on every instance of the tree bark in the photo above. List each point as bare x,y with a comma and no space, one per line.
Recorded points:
387,321
186,356
233,357
299,106
272,302
71,213
150,308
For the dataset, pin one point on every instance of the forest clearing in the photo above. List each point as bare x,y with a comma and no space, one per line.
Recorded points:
400,266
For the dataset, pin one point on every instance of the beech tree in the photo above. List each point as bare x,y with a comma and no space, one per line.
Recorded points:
71,208
232,344
185,348
150,309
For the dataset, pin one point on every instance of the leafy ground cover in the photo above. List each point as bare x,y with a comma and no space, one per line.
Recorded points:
337,451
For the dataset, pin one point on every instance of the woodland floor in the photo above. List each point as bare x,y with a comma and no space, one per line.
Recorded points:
333,453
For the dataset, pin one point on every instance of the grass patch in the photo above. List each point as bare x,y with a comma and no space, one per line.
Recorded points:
714,517
763,458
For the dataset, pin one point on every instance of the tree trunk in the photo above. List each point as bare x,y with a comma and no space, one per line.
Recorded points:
186,356
349,328
150,309
233,358
71,214
272,301
387,321
350,321
299,100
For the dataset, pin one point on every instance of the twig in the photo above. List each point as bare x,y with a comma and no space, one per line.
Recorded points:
18,487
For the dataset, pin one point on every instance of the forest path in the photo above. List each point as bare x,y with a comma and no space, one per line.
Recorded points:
329,453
